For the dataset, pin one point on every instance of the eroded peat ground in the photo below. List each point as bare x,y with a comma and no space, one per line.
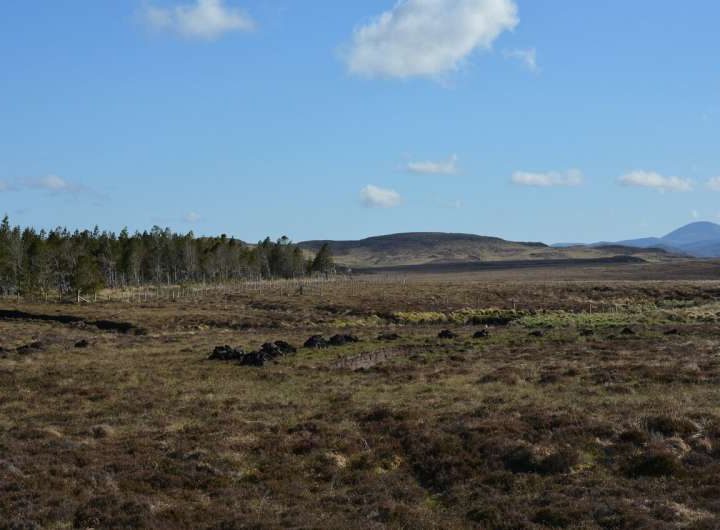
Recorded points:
591,405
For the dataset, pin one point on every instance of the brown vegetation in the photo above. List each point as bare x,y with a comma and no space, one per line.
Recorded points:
579,426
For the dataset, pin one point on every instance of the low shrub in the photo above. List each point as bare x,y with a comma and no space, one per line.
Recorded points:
654,463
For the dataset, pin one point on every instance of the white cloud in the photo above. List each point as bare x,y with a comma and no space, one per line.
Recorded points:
526,57
205,19
375,197
428,37
571,177
714,183
50,183
695,214
192,217
651,179
448,167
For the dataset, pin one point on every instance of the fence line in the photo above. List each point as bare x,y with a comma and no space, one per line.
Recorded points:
319,288
316,286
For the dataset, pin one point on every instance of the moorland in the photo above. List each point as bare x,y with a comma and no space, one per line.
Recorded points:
582,397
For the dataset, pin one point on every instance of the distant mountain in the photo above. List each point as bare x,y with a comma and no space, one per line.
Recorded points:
433,248
645,242
700,240
693,233
703,249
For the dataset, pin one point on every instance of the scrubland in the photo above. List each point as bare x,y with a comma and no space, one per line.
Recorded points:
590,403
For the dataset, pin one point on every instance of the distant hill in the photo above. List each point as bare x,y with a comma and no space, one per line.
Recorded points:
693,233
703,249
700,240
433,248
645,242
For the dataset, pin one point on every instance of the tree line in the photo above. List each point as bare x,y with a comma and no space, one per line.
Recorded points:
58,260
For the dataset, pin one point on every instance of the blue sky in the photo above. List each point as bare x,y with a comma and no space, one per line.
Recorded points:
556,121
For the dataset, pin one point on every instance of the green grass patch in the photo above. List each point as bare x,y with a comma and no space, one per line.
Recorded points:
478,317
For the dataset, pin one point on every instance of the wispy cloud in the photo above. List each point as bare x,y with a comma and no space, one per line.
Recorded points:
192,217
653,180
447,167
708,115
454,205
50,183
376,197
714,183
205,19
428,37
527,57
572,177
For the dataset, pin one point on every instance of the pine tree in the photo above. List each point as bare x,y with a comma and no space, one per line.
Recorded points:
64,261
87,276
323,262
6,279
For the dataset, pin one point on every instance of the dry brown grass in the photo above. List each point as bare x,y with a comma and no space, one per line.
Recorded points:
584,427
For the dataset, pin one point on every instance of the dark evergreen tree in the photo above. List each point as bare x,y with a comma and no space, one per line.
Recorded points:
34,262
323,262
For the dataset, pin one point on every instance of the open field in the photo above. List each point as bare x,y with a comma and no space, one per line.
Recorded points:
591,402
562,264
